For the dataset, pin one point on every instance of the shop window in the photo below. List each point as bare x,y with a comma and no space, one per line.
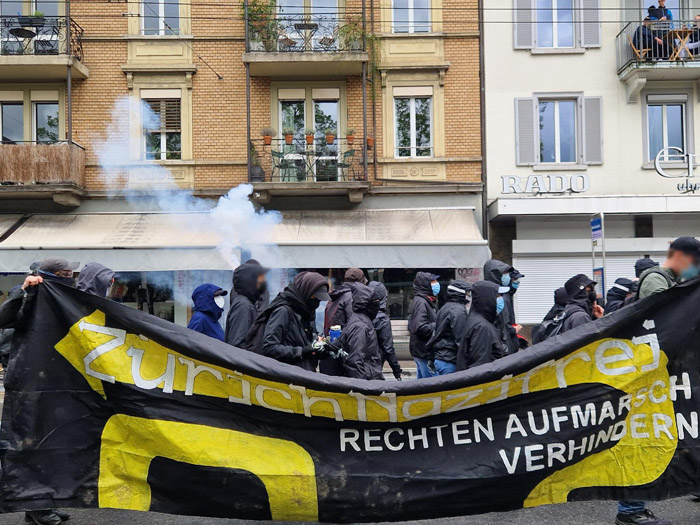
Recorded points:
151,292
413,121
12,122
160,17
45,122
162,129
411,16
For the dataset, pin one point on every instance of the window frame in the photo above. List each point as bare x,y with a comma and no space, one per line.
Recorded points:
163,154
667,97
162,29
412,127
575,23
35,128
557,131
11,103
411,24
577,98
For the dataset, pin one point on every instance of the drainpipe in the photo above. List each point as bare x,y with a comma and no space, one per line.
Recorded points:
364,90
247,91
482,115
69,79
374,100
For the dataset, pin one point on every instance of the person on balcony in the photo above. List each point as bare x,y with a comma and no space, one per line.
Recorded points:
644,38
694,41
662,14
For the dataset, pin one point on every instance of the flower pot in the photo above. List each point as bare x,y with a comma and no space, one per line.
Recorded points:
289,139
257,174
330,138
31,21
370,142
309,139
351,140
267,140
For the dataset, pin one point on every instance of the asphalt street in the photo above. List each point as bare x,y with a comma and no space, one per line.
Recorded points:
680,511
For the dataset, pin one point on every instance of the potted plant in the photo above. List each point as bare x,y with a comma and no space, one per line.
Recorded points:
35,20
257,173
267,134
350,136
310,136
262,23
288,135
352,33
370,143
330,136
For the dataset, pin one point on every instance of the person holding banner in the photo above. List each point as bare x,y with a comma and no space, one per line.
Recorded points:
482,341
581,307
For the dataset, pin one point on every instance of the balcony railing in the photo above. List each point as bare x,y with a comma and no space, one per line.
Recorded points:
324,32
662,43
44,35
27,163
298,161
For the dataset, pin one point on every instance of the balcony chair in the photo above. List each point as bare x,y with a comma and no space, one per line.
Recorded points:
346,166
641,54
283,166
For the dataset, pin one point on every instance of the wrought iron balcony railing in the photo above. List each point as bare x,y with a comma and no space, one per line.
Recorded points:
40,35
664,43
321,32
299,161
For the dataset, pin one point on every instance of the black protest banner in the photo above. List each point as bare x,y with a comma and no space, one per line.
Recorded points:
107,406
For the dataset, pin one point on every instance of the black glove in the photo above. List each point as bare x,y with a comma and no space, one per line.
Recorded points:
308,351
397,374
319,352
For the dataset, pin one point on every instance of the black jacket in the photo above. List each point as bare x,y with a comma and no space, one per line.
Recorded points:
382,324
291,325
482,342
578,311
421,316
617,294
560,300
451,324
244,298
493,271
338,312
96,279
359,338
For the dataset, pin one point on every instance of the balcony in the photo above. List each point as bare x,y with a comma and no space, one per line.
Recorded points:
675,56
309,44
301,168
40,48
36,171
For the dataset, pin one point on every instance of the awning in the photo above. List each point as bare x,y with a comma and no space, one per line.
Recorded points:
381,238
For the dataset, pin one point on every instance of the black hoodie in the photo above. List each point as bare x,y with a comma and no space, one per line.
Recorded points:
493,271
451,324
96,279
481,343
421,315
243,309
617,294
382,324
560,300
359,338
578,310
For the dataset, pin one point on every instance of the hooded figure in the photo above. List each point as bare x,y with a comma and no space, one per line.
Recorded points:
642,265
421,320
560,300
618,294
359,337
243,309
385,337
499,273
579,308
482,342
338,312
291,326
449,328
209,303
96,279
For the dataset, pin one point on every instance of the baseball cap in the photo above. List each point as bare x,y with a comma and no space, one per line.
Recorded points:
687,245
578,282
321,293
515,274
57,264
220,292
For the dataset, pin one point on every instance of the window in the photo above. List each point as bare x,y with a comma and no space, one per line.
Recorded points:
46,122
555,23
12,122
161,129
553,26
414,126
557,122
666,124
411,16
160,17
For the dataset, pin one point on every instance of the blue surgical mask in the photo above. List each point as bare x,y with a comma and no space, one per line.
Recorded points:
515,284
505,279
436,288
691,272
500,305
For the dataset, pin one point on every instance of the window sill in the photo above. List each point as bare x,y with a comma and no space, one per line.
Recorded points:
669,165
413,160
560,167
558,51
158,37
426,34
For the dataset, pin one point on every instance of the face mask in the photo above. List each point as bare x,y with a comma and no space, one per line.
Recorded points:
220,301
436,288
262,288
592,296
372,310
691,272
314,303
505,279
500,305
515,284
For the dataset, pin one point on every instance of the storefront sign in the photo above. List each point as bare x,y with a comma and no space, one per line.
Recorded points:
536,184
687,186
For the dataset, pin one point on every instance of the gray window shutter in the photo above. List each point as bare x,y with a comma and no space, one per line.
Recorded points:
590,23
593,130
525,134
523,26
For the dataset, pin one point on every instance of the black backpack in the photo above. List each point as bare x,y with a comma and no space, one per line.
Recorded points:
548,328
256,333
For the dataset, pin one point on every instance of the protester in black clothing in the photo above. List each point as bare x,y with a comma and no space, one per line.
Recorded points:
421,319
249,284
617,295
290,330
581,307
385,337
481,342
450,326
560,300
502,274
359,337
96,279
338,312
642,265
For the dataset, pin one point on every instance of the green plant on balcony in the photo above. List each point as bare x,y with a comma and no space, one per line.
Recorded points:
35,20
330,136
352,33
288,135
267,134
350,136
257,173
262,22
309,133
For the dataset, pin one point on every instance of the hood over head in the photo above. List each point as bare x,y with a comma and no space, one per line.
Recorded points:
421,284
380,291
355,275
96,279
621,288
484,294
344,288
203,299
495,269
643,265
457,292
362,297
309,284
560,296
576,288
245,279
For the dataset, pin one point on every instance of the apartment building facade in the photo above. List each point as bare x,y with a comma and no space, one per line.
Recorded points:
579,106
359,121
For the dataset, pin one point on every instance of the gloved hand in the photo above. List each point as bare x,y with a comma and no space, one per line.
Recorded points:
308,351
431,367
397,374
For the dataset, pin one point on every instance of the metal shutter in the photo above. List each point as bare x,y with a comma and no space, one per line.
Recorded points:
590,23
525,134
593,130
523,24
